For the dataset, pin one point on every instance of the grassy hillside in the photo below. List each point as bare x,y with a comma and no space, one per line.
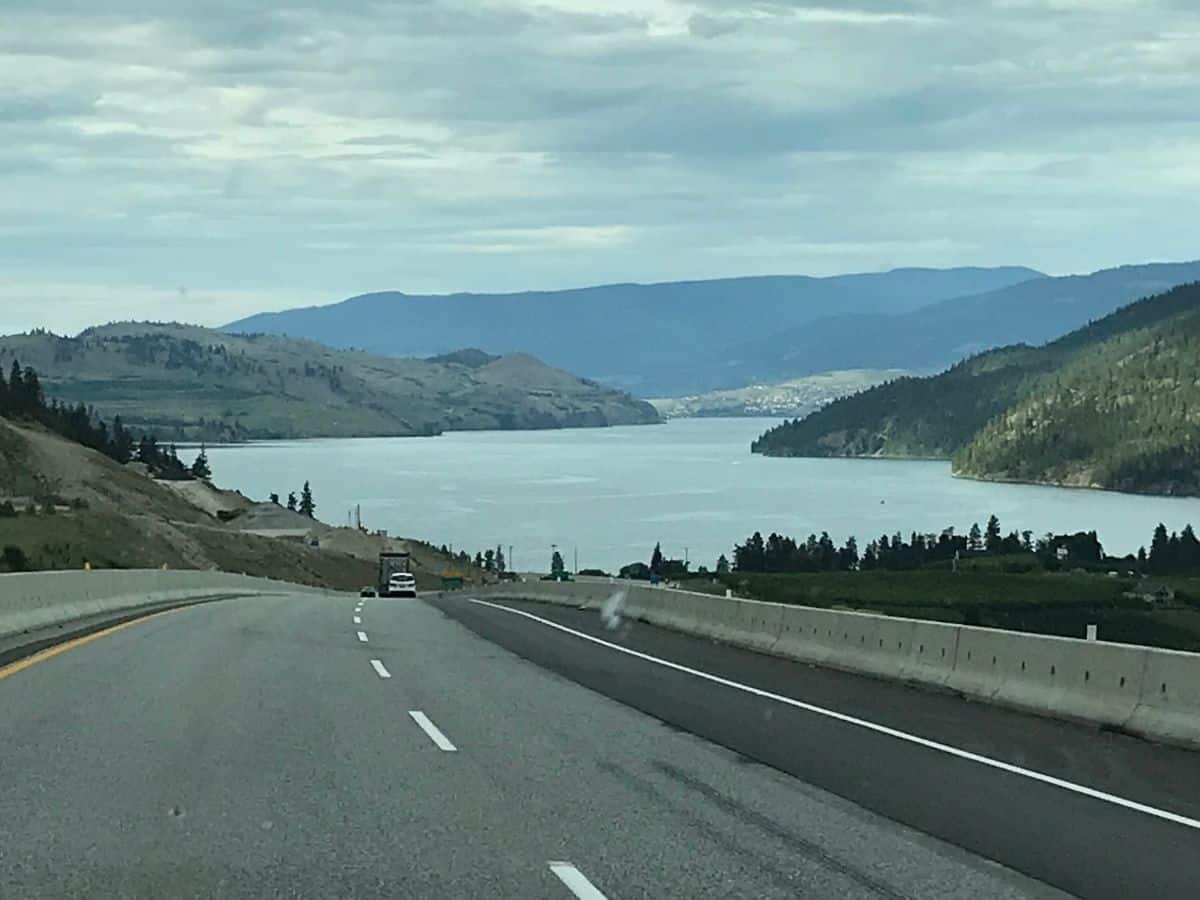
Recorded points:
184,382
1114,405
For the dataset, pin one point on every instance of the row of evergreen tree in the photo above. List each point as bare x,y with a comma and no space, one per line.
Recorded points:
304,504
22,398
488,560
1169,553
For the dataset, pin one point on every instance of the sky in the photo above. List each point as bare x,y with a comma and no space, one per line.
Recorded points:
203,161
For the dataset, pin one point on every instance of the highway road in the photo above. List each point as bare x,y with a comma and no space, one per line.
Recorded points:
319,746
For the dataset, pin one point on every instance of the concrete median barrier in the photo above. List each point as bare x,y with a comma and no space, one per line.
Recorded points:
34,601
1169,697
1144,690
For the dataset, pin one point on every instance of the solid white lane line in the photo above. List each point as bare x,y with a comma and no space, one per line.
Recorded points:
575,881
432,730
379,669
358,620
870,726
362,636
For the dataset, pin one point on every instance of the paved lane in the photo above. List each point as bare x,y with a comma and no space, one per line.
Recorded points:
260,748
995,805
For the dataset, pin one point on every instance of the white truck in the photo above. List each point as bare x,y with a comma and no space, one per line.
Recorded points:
395,575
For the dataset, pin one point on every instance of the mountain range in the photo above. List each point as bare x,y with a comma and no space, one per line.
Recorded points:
183,382
1115,405
684,338
653,339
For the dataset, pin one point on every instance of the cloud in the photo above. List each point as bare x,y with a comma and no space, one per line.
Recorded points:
258,151
706,26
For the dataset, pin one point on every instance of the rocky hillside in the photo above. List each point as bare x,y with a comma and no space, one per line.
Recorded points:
189,383
63,505
1113,405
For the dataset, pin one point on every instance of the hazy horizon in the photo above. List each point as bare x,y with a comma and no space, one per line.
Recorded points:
207,162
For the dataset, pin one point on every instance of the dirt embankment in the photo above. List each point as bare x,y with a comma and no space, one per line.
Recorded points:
75,507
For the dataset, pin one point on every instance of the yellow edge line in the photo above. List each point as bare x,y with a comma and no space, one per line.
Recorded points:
41,655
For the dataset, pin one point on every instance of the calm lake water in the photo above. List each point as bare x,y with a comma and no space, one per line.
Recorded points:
691,484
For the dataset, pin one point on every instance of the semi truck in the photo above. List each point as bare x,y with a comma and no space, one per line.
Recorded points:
395,574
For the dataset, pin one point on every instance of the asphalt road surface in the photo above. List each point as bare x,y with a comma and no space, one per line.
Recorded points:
302,746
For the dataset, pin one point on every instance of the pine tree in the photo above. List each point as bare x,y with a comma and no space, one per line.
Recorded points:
307,506
722,565
992,535
291,501
501,563
122,442
200,468
489,561
656,560
975,538
1188,560
1160,549
15,394
557,566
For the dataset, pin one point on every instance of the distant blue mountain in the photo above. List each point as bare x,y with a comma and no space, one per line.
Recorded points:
933,337
648,338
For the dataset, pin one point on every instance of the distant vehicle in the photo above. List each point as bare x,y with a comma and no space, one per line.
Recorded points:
392,563
402,584
367,591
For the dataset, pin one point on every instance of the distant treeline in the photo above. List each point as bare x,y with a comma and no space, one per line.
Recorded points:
1169,554
22,399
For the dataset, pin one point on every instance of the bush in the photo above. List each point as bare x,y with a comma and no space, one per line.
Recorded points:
13,559
7,510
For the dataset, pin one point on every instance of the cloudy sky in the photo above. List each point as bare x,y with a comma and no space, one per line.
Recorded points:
206,160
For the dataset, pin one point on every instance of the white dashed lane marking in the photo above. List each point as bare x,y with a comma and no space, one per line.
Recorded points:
435,733
576,881
379,669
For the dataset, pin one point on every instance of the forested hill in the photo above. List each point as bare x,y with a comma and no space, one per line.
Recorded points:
182,382
1113,405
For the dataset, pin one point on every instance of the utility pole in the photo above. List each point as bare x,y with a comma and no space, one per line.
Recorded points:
512,566
576,560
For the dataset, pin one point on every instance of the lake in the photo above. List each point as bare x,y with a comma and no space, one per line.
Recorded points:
611,493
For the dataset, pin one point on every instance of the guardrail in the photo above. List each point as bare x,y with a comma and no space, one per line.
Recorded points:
33,601
1143,690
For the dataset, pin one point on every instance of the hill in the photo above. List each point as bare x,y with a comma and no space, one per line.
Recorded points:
655,339
942,333
63,505
1114,405
189,383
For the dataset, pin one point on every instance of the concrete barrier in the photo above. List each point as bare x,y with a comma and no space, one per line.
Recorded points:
37,600
1144,690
